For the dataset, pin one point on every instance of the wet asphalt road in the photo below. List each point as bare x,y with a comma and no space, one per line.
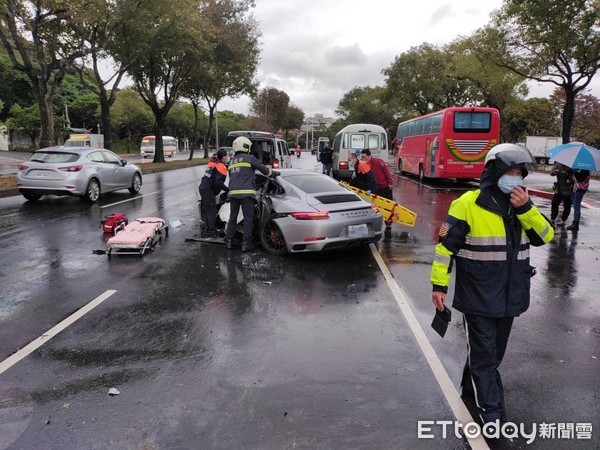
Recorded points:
211,349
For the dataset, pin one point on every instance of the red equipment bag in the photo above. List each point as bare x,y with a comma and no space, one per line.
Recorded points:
113,223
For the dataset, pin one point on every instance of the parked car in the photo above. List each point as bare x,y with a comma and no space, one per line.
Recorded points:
84,172
301,211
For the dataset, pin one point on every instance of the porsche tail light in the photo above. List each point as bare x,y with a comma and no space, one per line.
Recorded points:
315,215
22,167
375,208
275,164
71,168
343,165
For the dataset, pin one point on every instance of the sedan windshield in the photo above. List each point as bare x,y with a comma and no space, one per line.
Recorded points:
311,184
54,157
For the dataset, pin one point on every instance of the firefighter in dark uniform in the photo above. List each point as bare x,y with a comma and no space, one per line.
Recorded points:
242,190
212,183
487,235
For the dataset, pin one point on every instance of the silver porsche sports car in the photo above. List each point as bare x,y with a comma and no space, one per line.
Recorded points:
301,211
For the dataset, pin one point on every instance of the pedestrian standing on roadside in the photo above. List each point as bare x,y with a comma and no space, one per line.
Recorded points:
363,175
327,160
242,190
213,182
580,187
486,237
563,192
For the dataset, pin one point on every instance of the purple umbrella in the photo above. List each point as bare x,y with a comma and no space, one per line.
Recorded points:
576,155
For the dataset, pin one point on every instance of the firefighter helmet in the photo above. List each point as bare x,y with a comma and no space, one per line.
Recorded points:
242,144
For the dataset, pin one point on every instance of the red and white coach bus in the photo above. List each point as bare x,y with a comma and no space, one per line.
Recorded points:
451,143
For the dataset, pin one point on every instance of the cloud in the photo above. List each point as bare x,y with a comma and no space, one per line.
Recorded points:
442,13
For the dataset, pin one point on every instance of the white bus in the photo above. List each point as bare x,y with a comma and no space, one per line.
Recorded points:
147,146
358,136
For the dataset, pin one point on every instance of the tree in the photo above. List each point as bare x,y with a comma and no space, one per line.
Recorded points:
530,117
471,61
15,87
168,37
131,117
227,68
419,81
586,120
294,117
25,120
367,105
556,42
106,31
37,40
270,107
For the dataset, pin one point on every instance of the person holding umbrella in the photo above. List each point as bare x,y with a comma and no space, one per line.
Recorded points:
582,159
580,187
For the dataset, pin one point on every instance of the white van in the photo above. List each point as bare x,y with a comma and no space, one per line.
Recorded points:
269,149
148,142
358,136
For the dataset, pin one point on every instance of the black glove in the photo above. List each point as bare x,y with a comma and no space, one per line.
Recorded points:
274,174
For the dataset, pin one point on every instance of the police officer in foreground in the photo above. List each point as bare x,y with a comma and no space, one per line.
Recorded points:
242,190
486,236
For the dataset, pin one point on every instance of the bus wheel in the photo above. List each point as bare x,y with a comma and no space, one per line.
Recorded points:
421,173
400,166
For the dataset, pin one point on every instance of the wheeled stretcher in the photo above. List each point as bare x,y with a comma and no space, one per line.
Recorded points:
138,236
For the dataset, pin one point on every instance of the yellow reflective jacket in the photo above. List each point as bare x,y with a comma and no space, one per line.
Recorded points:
488,240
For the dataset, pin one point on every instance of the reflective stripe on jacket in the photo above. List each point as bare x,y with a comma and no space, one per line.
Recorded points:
491,252
242,177
214,177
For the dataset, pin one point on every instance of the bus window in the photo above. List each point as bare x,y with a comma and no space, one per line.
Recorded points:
436,123
357,141
345,140
384,141
472,121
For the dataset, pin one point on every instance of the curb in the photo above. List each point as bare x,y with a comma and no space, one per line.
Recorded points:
539,193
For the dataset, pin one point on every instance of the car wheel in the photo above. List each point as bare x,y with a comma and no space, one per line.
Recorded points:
32,197
92,193
272,239
136,184
421,174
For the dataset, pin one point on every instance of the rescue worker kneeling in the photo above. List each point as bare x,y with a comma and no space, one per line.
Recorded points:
242,190
213,182
487,235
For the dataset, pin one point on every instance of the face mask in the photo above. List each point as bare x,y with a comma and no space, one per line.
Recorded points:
507,183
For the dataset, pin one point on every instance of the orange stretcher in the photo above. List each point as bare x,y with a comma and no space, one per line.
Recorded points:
392,212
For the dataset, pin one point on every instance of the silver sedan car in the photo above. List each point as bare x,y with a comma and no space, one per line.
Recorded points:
84,172
301,211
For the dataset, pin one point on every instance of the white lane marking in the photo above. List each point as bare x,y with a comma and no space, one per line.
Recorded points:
129,199
452,396
34,345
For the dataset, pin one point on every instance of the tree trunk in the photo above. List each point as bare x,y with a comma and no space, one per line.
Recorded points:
105,120
211,118
568,113
159,154
46,115
195,135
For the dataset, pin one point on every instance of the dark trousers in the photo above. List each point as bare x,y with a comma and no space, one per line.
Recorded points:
247,204
556,199
577,198
487,338
385,192
209,213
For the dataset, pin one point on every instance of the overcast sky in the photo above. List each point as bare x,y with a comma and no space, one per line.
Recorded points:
316,51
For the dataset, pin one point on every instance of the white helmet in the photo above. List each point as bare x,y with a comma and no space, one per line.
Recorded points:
509,154
242,144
